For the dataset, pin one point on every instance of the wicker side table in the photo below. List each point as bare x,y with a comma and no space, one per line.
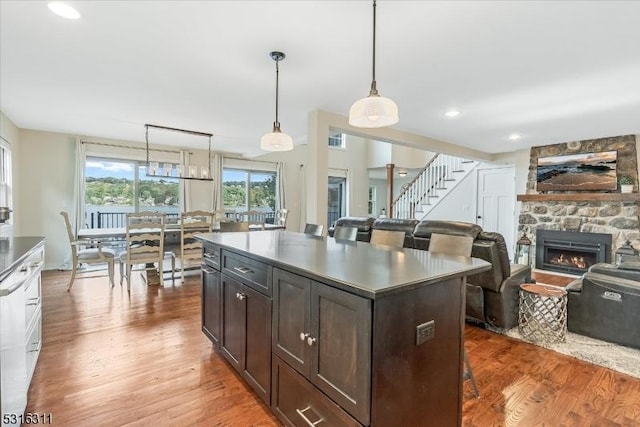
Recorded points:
543,312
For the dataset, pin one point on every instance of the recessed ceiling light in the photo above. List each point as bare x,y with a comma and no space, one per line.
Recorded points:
514,136
63,9
452,113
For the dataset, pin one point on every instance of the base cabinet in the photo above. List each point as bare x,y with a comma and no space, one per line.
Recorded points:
211,314
298,403
246,334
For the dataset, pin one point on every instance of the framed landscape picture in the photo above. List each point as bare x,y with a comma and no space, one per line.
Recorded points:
578,172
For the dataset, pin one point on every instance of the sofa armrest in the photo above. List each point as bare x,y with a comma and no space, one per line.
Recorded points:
627,272
575,286
614,284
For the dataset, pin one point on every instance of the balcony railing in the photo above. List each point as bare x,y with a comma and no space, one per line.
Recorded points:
118,219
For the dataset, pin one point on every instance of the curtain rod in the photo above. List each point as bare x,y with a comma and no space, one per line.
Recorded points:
132,147
249,160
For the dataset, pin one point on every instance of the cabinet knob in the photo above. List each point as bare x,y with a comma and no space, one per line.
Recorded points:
303,336
240,296
311,340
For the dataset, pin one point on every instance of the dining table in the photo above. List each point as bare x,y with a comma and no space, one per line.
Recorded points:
170,229
116,235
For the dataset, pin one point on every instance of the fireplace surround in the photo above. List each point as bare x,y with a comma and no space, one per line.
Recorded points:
571,252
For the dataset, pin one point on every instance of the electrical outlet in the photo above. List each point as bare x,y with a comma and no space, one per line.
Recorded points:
425,331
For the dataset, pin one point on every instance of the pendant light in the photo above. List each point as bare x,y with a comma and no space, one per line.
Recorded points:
374,111
276,140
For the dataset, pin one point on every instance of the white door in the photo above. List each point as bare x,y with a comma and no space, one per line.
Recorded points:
497,203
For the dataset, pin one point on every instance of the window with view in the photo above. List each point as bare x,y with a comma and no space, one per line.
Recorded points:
244,190
336,140
116,187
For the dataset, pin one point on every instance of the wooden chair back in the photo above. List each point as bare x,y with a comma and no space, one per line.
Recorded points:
281,217
252,217
387,238
345,233
192,223
313,229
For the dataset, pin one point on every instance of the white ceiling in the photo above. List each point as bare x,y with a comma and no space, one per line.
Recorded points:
550,71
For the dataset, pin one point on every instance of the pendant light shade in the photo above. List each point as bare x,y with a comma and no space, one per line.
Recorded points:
276,140
374,111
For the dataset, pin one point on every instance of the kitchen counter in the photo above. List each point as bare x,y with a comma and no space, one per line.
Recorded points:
364,269
14,250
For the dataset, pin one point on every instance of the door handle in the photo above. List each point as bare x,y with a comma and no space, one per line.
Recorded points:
310,340
240,296
301,412
479,217
303,336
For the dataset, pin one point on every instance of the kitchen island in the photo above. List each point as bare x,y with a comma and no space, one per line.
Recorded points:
339,333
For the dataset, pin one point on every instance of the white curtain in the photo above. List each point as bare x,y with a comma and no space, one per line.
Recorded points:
78,189
185,200
280,190
216,174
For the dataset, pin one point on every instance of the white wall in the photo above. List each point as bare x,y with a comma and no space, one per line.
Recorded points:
352,159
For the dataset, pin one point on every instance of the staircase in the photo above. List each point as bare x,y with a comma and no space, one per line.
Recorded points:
437,179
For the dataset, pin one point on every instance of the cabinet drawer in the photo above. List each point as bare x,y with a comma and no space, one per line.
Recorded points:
255,274
32,294
298,403
211,256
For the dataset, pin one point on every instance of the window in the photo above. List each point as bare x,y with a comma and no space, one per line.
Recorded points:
337,140
337,203
6,199
116,187
371,206
244,190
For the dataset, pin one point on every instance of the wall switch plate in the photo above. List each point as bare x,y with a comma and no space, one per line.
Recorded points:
425,331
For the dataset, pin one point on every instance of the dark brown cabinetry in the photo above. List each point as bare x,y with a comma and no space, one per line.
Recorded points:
325,334
341,335
246,330
211,308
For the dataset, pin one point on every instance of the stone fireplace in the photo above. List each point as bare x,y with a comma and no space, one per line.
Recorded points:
615,215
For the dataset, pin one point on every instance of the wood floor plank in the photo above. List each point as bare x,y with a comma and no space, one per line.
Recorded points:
114,359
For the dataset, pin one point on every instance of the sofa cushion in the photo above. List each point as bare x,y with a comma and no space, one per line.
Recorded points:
503,253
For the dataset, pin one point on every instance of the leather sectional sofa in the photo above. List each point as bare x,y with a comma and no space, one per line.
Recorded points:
492,296
605,303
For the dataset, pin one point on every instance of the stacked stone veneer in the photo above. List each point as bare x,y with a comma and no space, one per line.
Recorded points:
620,219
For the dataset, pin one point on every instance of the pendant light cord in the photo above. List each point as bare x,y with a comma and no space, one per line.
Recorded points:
276,124
374,89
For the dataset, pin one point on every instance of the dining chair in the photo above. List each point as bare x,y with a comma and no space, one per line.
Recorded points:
224,215
85,251
461,246
226,227
144,241
192,223
313,229
387,238
252,217
281,217
345,233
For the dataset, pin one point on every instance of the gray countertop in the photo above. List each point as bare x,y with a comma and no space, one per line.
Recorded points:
13,250
362,268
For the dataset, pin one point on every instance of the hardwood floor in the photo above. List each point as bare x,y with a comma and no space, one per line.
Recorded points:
113,359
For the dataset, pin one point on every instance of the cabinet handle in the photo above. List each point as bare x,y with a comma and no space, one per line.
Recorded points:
307,420
240,296
208,270
211,256
303,336
37,347
243,270
33,301
310,340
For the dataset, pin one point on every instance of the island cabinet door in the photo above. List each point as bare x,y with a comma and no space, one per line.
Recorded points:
233,326
257,343
291,319
341,348
211,304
